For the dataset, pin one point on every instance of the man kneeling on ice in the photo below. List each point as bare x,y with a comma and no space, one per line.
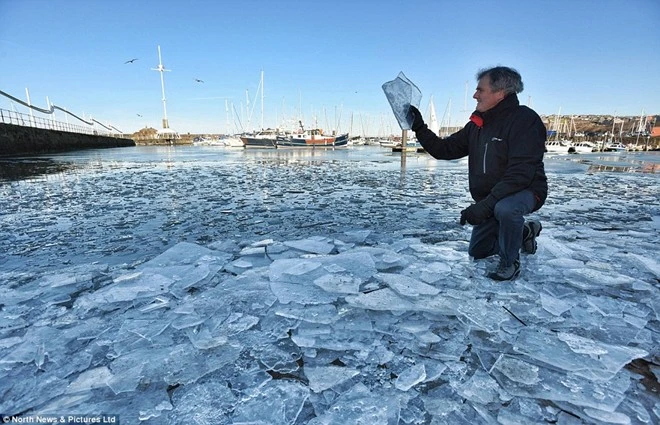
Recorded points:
504,142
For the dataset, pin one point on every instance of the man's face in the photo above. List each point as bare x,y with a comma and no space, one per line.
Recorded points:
485,96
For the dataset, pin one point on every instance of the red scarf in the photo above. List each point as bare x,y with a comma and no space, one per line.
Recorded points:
478,120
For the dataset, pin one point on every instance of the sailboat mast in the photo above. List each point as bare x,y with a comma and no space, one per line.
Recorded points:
465,101
227,116
262,99
449,117
556,126
247,110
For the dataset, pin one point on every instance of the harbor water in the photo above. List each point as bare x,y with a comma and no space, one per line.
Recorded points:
128,204
190,284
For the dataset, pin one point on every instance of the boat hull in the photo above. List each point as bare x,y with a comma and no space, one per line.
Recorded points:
582,147
313,142
258,142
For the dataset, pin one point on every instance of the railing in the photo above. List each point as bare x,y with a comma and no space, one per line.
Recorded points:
26,120
17,118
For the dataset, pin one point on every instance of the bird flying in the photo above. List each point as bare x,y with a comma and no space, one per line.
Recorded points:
131,61
198,80
138,115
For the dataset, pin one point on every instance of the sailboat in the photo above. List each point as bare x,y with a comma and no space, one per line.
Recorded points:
446,121
557,145
434,126
264,138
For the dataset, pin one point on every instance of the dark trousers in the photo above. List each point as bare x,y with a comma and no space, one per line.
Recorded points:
502,234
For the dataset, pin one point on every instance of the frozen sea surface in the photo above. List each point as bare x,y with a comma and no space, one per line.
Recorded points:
211,286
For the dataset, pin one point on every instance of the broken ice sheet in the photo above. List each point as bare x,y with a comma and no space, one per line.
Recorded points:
555,306
383,259
482,388
127,380
339,282
324,313
407,286
212,401
401,93
276,402
570,352
30,390
322,378
433,272
281,356
294,271
355,263
410,377
608,417
190,276
144,328
357,236
301,293
185,253
483,314
586,277
126,288
523,379
360,405
607,306
383,299
324,337
312,245
90,379
202,338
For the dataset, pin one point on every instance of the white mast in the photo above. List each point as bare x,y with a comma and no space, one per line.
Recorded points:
557,123
247,110
162,69
465,108
227,128
446,119
433,118
262,99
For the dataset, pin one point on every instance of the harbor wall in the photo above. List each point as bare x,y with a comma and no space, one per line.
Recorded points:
20,140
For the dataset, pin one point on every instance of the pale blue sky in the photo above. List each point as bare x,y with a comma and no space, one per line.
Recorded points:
328,58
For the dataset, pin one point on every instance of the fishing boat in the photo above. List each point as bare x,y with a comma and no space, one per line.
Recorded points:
312,138
261,139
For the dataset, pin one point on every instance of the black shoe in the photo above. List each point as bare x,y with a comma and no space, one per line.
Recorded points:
531,229
506,272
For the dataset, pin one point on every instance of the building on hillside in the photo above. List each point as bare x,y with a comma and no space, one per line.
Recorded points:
655,126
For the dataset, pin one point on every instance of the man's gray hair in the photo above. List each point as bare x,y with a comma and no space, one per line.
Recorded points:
502,78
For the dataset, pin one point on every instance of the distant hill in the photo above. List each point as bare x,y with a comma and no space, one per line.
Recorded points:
599,126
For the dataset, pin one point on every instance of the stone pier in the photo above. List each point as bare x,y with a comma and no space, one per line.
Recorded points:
20,140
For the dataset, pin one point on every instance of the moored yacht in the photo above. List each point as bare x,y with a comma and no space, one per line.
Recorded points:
581,147
557,146
615,147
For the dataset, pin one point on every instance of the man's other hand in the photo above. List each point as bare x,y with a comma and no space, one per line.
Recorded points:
477,213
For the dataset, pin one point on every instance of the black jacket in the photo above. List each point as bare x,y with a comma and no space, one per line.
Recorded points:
505,147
